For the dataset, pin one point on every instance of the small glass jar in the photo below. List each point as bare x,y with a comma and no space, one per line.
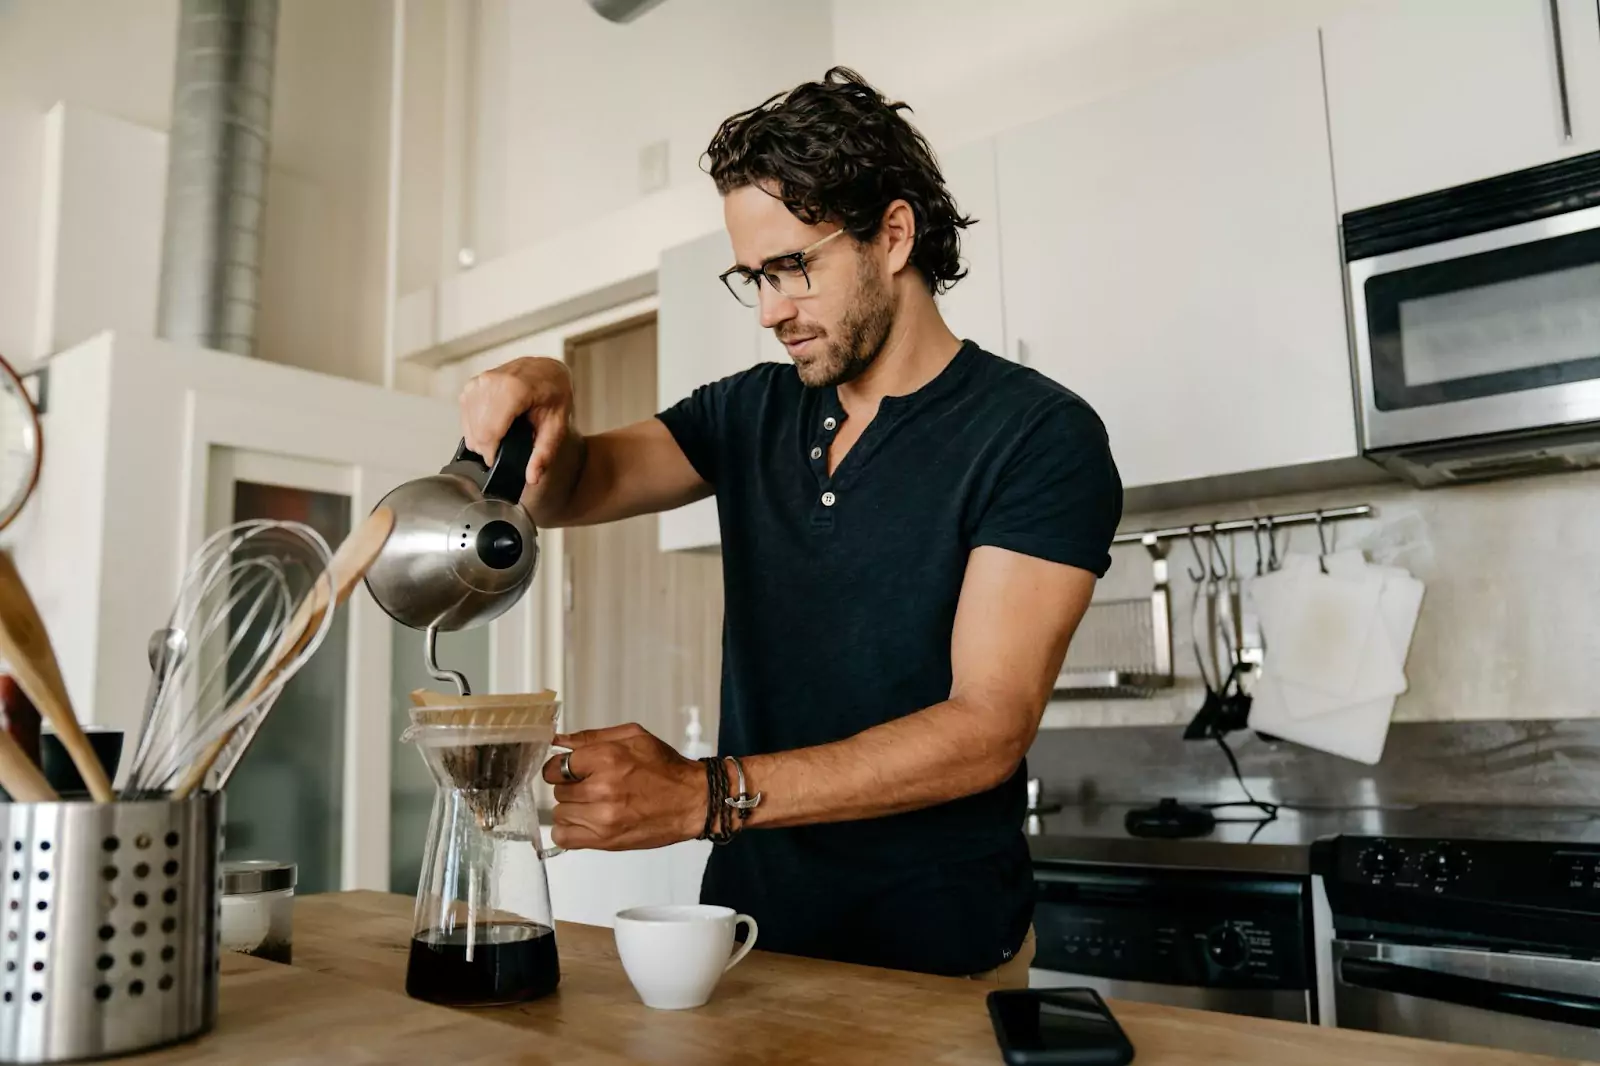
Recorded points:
258,908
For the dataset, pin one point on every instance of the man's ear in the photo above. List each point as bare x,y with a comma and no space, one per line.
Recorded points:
898,234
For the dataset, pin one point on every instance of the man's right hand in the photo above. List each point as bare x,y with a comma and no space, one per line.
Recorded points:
534,388
574,480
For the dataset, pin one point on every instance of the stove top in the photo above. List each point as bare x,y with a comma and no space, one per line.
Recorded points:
1096,834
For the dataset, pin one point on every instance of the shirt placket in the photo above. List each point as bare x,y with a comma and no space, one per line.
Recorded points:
830,418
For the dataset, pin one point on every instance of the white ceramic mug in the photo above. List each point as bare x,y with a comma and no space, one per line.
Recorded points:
674,955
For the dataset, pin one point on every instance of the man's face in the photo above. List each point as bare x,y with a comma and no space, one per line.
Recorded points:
834,330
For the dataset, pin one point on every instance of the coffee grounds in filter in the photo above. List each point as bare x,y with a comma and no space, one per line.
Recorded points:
491,776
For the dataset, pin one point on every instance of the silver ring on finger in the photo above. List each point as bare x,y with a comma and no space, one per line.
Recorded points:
566,768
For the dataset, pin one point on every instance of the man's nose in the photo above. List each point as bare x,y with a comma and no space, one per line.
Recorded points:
776,308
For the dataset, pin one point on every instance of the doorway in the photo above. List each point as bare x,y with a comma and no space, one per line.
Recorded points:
643,626
286,796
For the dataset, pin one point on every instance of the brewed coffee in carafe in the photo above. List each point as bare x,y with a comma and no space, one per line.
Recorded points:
483,932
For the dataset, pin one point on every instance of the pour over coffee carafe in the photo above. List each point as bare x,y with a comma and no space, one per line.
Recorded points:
483,932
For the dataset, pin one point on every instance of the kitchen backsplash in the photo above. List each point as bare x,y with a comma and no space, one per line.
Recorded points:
1515,763
1508,621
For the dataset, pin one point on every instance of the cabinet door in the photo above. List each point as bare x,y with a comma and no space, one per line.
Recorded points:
974,309
1427,94
703,334
1171,255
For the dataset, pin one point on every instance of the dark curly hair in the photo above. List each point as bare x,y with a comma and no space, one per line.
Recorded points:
838,149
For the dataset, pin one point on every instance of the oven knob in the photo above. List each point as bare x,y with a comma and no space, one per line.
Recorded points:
1227,947
1379,863
1442,865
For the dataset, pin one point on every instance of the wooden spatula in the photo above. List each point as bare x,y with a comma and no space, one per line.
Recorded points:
25,645
19,777
348,566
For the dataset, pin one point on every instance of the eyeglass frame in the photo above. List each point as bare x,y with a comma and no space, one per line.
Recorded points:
756,274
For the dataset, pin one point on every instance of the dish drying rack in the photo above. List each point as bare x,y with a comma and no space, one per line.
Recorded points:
1123,648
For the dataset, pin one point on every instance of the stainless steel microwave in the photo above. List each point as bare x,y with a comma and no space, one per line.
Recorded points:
1476,317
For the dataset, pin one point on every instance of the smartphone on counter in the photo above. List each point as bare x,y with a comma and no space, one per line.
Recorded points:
1057,1027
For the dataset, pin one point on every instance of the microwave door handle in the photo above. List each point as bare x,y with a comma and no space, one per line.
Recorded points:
1538,1003
1561,71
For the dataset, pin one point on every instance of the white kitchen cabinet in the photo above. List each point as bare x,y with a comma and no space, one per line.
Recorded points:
974,308
1171,254
1427,94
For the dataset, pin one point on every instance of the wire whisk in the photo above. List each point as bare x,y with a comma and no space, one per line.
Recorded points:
238,595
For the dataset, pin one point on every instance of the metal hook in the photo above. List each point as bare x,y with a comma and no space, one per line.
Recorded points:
1194,547
1274,564
1255,535
1214,554
1322,543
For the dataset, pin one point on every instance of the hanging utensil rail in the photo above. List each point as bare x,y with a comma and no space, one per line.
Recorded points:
1244,525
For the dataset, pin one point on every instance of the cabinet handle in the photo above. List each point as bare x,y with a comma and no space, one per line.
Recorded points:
1561,70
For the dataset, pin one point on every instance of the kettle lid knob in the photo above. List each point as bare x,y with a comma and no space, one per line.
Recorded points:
499,545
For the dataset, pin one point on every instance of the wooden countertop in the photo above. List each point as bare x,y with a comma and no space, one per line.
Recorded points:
343,1001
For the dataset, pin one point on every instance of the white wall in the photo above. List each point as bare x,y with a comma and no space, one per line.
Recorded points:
972,69
322,286
583,95
99,244
524,126
21,155
323,256
110,55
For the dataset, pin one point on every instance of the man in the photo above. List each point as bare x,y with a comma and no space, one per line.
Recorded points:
911,531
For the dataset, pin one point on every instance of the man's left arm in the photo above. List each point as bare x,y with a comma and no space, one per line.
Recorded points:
1014,619
1013,622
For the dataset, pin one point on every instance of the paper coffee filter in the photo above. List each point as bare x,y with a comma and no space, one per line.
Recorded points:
516,711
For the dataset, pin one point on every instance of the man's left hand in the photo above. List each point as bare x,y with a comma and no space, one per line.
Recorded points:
633,791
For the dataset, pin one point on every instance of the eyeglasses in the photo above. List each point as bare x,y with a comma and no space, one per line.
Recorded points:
785,273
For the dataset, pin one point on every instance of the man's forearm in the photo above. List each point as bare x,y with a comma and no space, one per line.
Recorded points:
550,502
935,755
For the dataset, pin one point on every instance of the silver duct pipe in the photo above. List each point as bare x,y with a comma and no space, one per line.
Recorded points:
217,173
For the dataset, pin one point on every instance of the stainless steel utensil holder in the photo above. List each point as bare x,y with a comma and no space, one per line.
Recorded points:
108,926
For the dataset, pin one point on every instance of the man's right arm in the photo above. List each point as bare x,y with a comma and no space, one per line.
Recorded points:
573,480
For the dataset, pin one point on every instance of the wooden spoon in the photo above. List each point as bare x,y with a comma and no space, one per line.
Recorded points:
19,777
345,571
25,645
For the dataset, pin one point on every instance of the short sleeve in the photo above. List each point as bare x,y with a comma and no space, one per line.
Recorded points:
703,422
1058,495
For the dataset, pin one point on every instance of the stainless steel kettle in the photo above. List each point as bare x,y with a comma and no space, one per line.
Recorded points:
463,550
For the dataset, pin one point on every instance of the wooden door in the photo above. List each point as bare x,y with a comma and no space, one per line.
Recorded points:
644,627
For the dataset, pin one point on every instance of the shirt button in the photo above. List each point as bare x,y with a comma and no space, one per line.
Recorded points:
830,423
816,453
828,498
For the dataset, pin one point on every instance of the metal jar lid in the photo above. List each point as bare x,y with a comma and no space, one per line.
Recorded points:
249,876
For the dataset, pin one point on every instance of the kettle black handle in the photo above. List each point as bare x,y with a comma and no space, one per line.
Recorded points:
508,477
